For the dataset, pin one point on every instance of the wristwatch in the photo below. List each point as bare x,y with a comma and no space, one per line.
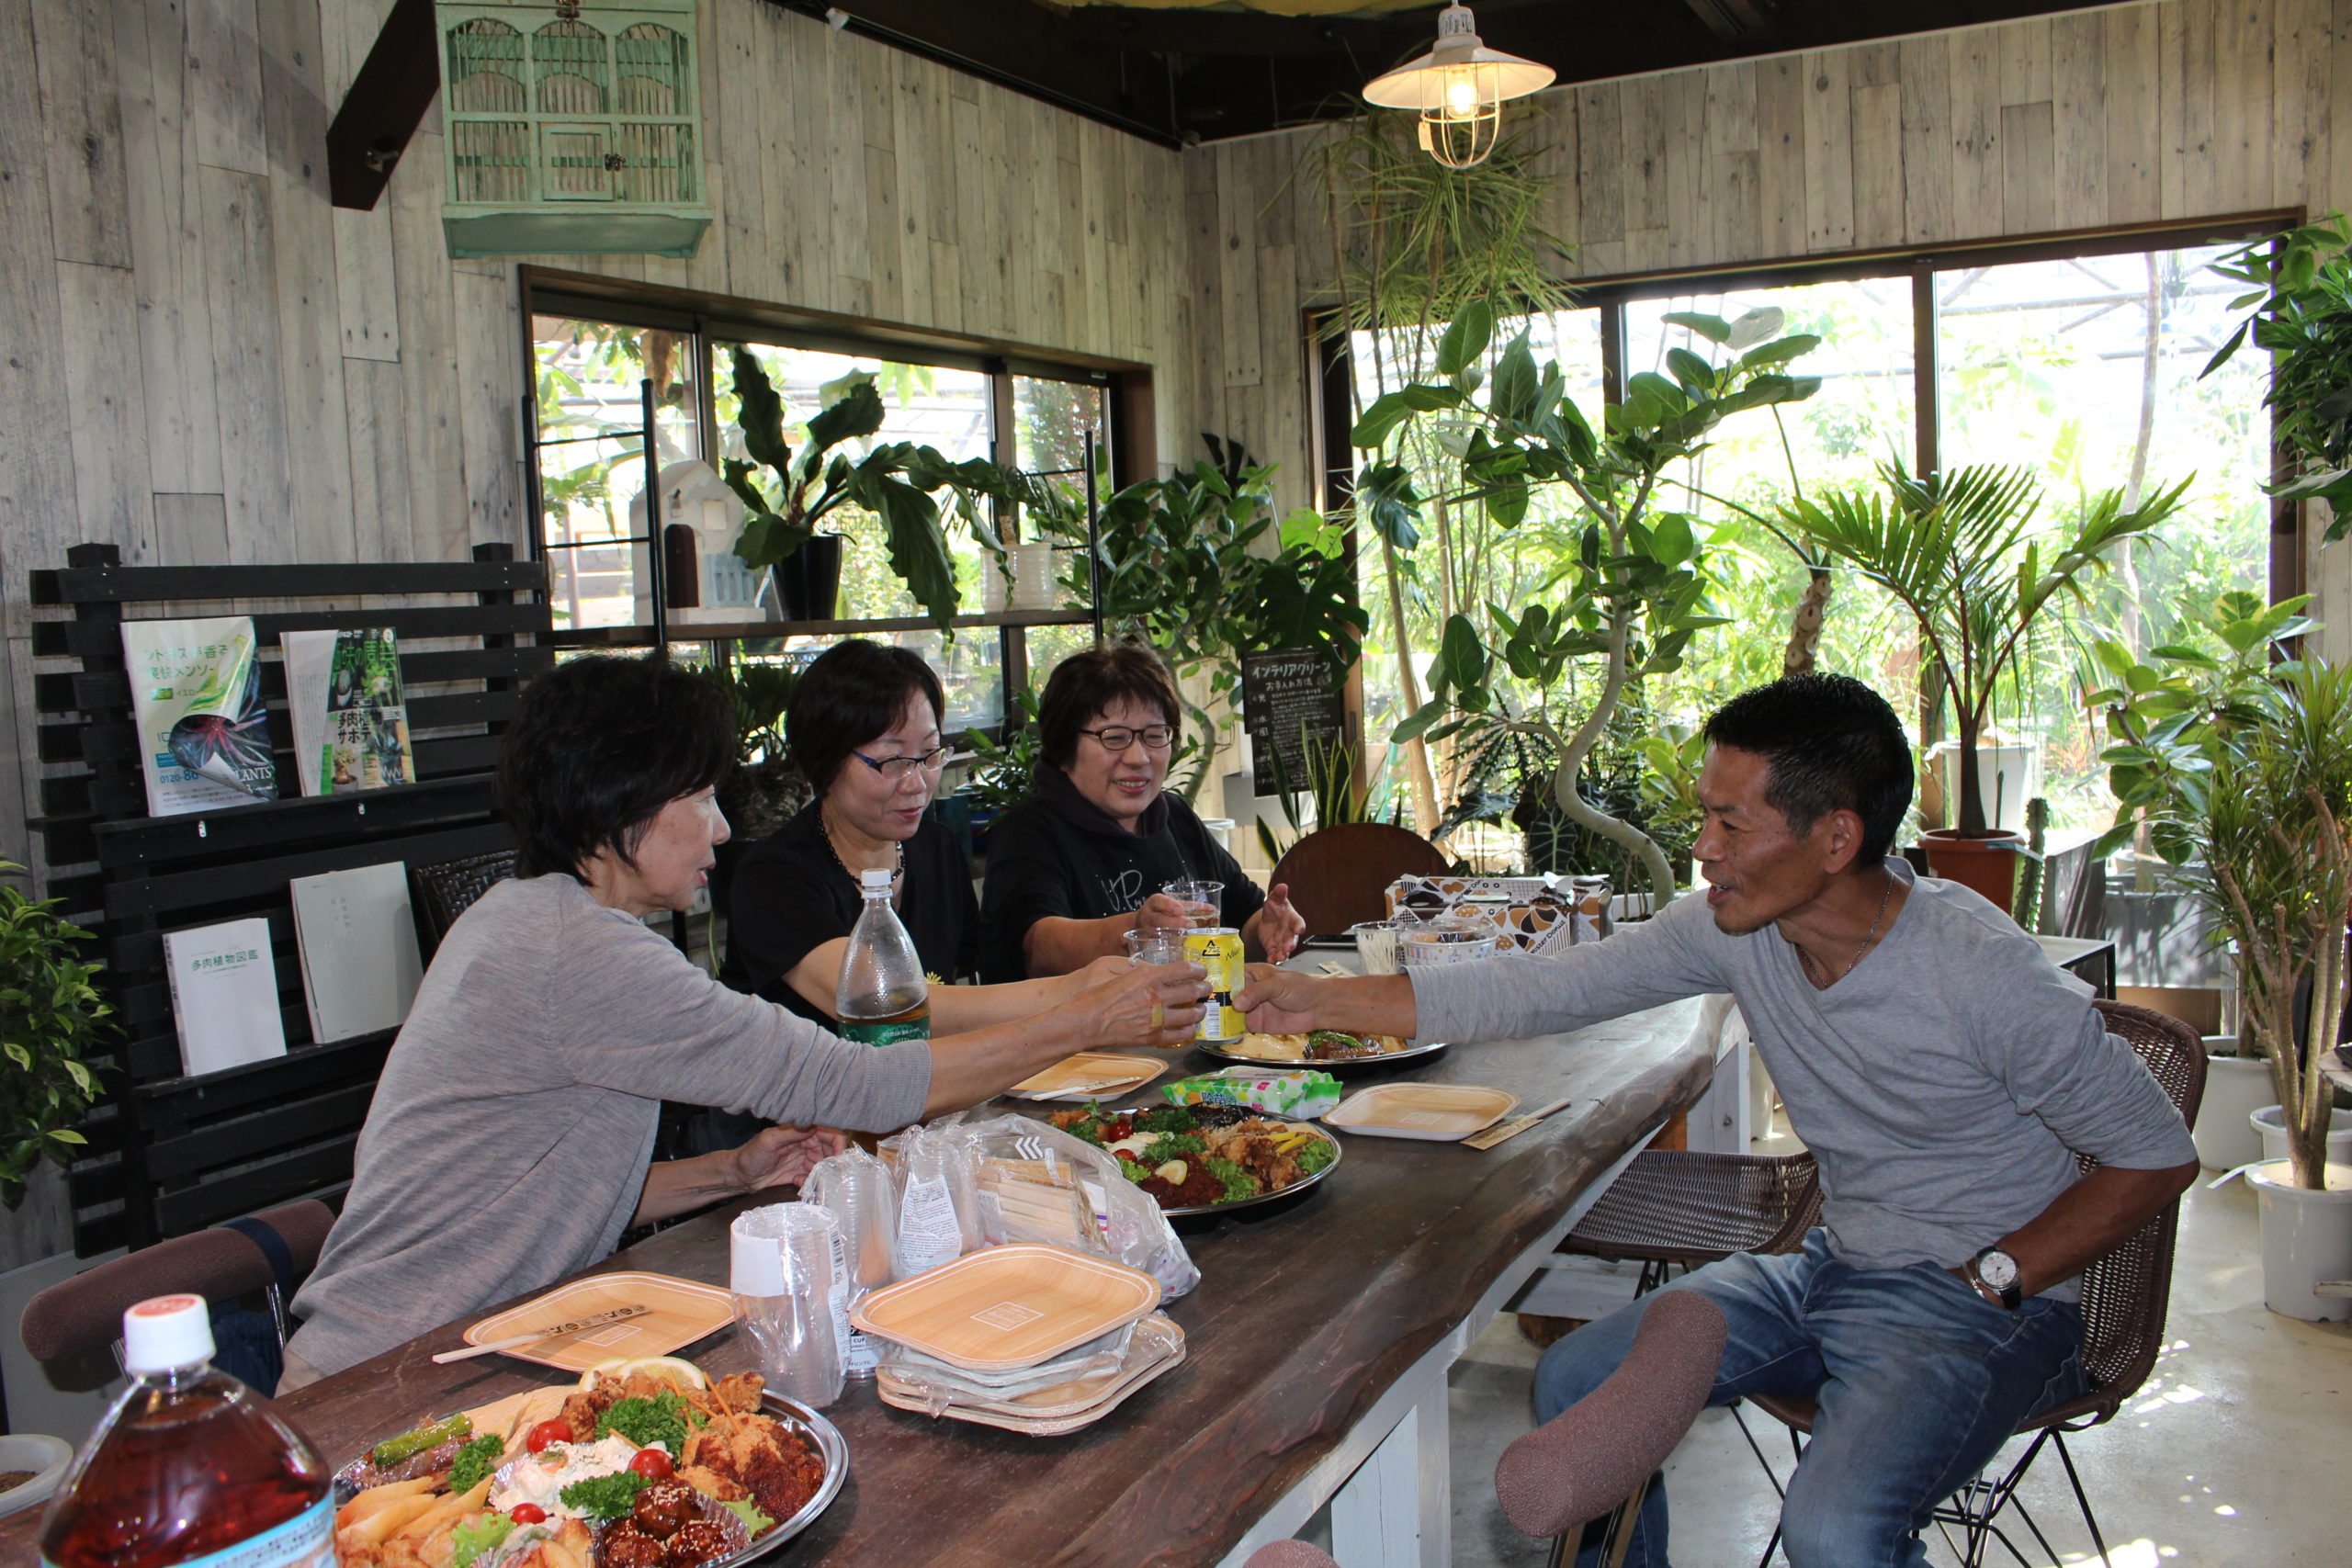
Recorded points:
1995,1274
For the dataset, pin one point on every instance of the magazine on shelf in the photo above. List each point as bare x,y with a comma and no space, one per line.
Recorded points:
224,995
357,940
310,668
196,697
364,741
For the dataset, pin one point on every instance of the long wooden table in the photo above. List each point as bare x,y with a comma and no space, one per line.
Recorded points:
1317,1342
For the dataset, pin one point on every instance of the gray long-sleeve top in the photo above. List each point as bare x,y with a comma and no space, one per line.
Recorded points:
510,1133
1944,1085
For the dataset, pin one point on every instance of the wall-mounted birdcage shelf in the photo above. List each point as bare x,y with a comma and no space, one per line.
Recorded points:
570,127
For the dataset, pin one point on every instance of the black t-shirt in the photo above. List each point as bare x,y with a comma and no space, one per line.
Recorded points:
791,897
1060,854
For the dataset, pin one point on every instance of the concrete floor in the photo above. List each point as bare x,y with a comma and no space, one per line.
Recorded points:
2237,1451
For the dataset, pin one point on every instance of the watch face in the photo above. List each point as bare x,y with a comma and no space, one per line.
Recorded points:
1997,1268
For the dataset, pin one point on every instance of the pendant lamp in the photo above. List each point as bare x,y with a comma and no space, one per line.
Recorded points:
1459,87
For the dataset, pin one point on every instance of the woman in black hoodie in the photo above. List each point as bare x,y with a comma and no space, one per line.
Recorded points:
1075,867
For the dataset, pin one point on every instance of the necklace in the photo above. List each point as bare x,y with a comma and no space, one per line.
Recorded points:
898,857
1812,971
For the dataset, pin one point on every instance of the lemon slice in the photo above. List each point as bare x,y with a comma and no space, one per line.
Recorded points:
676,1369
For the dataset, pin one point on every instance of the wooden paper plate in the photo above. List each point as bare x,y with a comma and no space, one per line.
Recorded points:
1157,1344
678,1312
1442,1112
1109,1074
1049,1426
1008,1306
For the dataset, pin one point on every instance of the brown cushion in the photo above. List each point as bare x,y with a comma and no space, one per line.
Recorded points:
1289,1555
84,1312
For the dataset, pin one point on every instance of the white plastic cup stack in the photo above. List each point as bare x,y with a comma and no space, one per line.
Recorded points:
857,1190
781,1269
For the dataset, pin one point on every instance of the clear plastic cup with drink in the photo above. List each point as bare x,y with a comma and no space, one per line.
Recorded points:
1203,901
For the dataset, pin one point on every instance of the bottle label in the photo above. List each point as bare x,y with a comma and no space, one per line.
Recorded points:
880,1034
306,1540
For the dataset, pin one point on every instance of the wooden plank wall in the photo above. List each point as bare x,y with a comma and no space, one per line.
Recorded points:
2140,113
207,363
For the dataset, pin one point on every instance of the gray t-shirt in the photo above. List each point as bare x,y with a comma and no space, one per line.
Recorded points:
510,1133
1944,1085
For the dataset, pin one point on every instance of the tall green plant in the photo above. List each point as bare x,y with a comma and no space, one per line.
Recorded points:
2277,837
897,481
2300,310
1632,596
51,1017
1959,552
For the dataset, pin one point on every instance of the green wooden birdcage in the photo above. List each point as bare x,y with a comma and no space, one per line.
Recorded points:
570,127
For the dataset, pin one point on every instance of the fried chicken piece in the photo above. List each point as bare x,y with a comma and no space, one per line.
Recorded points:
782,1475
696,1544
710,1483
627,1547
739,1392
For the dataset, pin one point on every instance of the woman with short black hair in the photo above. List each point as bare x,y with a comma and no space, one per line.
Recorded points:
865,727
510,1136
1073,869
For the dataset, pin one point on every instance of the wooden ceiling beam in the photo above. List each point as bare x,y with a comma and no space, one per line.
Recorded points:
384,106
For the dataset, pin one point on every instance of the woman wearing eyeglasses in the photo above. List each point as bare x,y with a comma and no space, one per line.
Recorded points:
865,727
1071,870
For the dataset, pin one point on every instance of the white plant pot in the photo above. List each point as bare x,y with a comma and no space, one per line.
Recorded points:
1033,576
2006,776
2270,1124
2236,1086
996,587
45,1457
2306,1237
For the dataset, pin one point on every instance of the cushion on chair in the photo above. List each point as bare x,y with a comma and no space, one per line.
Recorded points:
1590,1458
84,1312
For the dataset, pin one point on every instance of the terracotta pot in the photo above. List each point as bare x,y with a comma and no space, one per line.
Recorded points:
1987,865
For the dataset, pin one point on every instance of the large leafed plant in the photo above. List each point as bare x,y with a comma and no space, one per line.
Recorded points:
1634,595
898,482
51,1017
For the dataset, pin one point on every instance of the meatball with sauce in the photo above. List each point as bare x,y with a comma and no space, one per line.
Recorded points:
662,1509
625,1546
696,1544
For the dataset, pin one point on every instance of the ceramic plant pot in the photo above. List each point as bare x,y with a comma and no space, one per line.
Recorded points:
1987,865
2235,1087
809,581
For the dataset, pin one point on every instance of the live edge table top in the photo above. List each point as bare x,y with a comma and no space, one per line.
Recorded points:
1302,1319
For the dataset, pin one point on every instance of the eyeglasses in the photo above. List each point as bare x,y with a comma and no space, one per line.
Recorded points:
1118,738
897,769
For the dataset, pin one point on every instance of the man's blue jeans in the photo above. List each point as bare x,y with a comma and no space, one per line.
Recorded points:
1920,1380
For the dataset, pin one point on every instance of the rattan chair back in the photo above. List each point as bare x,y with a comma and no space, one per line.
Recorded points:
448,888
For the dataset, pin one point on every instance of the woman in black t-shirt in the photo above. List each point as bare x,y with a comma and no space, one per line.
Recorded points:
865,727
1073,869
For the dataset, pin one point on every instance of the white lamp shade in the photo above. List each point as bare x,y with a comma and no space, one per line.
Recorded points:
1425,84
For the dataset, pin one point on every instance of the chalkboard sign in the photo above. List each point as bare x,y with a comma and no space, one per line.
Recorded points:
1289,696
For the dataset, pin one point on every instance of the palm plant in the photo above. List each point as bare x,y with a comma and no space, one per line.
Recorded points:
2277,836
1959,550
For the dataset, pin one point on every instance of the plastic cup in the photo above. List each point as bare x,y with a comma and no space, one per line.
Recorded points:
1159,946
782,1268
1376,944
1202,900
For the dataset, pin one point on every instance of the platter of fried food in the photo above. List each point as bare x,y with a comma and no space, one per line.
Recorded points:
644,1463
1327,1048
1438,1112
1207,1159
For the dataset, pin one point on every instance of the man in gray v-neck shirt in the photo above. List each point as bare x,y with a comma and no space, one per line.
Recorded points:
1943,1072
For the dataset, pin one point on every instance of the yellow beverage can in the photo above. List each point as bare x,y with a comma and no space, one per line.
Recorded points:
1218,951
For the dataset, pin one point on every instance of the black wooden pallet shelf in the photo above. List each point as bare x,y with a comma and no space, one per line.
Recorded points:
171,1154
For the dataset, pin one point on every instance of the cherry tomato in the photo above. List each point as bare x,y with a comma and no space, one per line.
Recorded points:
548,1432
528,1514
651,1463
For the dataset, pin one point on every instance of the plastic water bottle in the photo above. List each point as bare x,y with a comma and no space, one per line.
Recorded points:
190,1467
882,996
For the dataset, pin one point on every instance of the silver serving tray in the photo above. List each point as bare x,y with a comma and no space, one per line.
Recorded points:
1411,1055
794,1416
1237,1204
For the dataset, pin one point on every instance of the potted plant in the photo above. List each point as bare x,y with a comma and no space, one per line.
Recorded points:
1959,550
1003,769
51,1017
897,481
1632,595
2277,840
2300,312
2172,717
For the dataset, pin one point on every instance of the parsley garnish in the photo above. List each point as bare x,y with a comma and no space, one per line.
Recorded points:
645,1422
475,1461
605,1496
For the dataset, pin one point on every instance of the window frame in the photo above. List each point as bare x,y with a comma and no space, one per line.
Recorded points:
701,320
2287,568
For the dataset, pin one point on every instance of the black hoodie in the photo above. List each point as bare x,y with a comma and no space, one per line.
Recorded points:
1058,853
